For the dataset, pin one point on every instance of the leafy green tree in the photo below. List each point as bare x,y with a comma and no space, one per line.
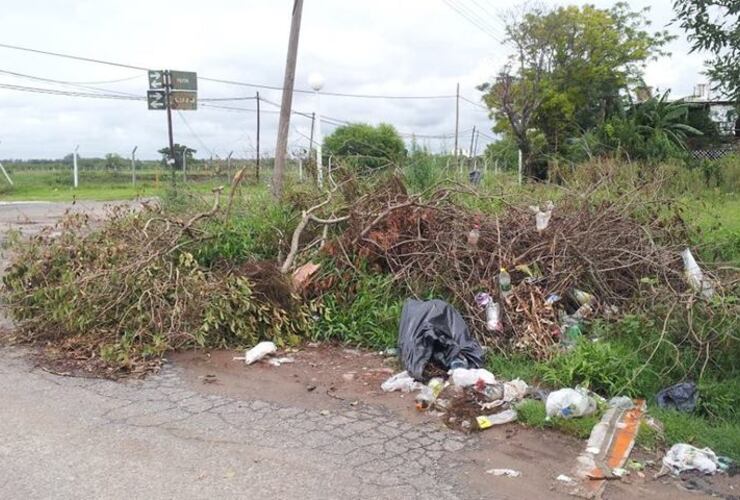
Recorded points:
568,71
179,149
114,161
714,26
653,130
363,145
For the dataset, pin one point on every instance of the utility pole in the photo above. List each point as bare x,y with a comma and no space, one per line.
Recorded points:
520,167
457,121
75,175
167,93
257,170
310,139
228,164
133,165
287,101
184,163
472,139
475,150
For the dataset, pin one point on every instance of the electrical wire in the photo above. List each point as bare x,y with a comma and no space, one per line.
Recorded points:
220,80
39,90
473,20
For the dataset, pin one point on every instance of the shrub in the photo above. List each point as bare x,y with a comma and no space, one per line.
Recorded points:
366,147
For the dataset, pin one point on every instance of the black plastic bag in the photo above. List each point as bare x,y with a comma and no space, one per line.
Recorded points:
681,397
433,329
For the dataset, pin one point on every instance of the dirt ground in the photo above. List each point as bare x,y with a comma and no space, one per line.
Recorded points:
332,378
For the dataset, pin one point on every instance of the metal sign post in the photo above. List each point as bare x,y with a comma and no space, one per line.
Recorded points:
170,90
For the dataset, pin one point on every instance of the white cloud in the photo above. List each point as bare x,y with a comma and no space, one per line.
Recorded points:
414,47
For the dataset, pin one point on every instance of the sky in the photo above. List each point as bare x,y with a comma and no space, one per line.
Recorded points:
379,47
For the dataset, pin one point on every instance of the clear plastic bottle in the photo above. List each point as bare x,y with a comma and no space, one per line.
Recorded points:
474,236
504,283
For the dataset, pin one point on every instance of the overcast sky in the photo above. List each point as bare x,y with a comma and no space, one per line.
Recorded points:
389,47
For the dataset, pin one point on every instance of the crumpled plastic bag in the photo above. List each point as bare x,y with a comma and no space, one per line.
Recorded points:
465,377
401,382
515,390
569,403
433,329
682,457
681,397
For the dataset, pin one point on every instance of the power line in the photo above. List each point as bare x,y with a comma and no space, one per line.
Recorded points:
220,80
473,20
474,103
70,56
39,90
62,82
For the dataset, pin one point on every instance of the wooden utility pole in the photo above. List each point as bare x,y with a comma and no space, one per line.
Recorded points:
287,102
257,170
472,139
133,165
167,97
457,121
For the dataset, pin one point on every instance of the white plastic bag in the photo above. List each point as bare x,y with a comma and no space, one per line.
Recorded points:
465,377
682,457
504,417
258,352
694,275
515,390
542,215
569,403
401,382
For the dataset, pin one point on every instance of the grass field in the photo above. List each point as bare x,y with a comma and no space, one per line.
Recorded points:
57,185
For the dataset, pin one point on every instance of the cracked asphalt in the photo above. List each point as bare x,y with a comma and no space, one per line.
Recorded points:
64,437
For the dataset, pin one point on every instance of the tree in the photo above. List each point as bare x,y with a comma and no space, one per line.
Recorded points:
362,145
714,26
114,161
179,149
568,72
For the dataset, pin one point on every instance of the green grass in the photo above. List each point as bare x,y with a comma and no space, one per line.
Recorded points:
32,185
532,414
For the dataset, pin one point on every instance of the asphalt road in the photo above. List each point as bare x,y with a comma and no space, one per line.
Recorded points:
164,437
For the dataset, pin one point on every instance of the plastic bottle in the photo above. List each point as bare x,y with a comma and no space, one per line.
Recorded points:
474,236
493,317
425,398
504,283
582,297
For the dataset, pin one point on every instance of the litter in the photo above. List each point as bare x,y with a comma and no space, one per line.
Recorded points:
504,472
433,330
280,361
401,382
542,216
564,478
684,457
493,312
582,297
569,403
681,397
695,276
504,283
622,402
257,352
302,275
465,377
504,417
474,236
515,390
609,445
429,393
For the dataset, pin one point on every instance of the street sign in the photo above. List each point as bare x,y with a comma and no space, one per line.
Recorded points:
183,80
156,79
183,99
156,99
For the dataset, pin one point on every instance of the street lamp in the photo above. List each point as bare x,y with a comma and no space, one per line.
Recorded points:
316,81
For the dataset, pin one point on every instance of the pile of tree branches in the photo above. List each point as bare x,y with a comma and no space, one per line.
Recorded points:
622,250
